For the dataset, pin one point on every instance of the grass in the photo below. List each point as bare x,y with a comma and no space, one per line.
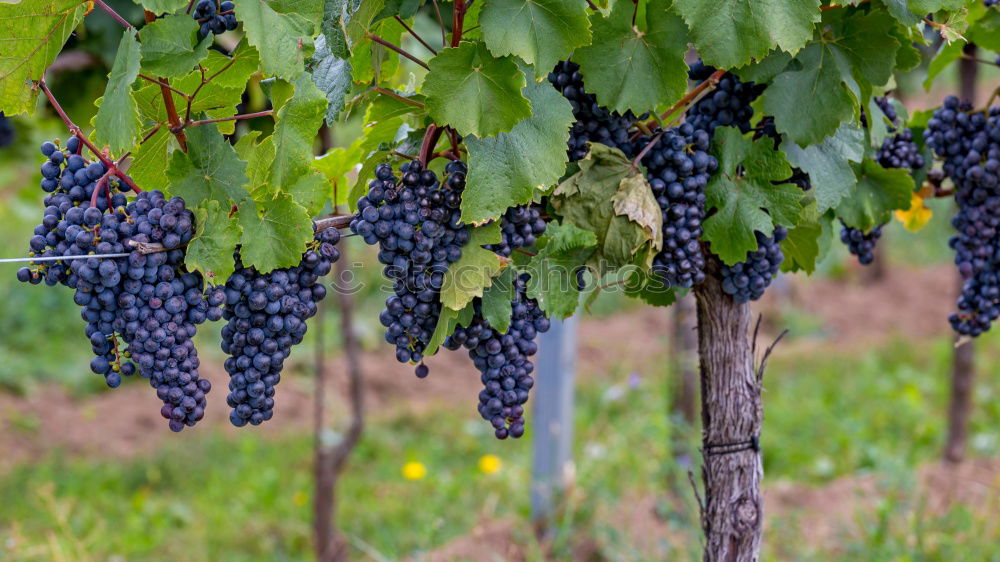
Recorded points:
247,498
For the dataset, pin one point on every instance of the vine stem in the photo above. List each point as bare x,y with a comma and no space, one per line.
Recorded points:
394,95
711,81
414,35
457,21
437,10
592,6
264,113
111,12
645,150
979,60
430,140
168,101
161,83
78,133
399,50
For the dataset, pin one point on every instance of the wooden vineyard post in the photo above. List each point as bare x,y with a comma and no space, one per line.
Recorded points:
552,414
731,412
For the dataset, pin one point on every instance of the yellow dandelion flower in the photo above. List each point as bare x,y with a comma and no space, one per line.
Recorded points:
300,498
414,470
489,463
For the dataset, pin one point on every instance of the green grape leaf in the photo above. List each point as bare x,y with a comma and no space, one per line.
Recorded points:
828,163
332,75
371,61
336,165
745,196
474,271
168,46
311,191
879,191
930,6
232,71
628,67
258,156
209,170
868,42
362,17
447,321
810,103
552,282
215,240
497,300
161,6
513,168
405,9
150,160
728,33
309,9
279,38
275,232
117,120
801,247
541,32
295,129
643,285
473,92
898,10
764,70
336,14
986,31
946,54
612,200
34,32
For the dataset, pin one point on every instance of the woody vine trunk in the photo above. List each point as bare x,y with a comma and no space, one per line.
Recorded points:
731,411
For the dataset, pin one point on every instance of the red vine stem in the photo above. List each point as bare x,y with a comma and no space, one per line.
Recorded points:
233,118
399,50
645,150
430,140
437,9
414,35
162,83
168,102
117,17
78,133
712,81
457,20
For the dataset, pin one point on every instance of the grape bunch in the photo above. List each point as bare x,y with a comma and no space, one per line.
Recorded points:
861,243
160,305
416,222
898,150
728,105
6,131
520,226
503,360
214,17
593,123
71,227
267,314
678,168
969,144
747,280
